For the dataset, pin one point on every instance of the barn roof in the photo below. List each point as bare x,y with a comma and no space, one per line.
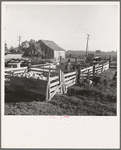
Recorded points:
52,45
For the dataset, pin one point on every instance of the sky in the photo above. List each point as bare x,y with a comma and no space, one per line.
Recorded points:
67,24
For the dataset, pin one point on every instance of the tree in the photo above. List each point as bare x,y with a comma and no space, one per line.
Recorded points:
31,49
25,44
98,51
12,50
112,51
6,47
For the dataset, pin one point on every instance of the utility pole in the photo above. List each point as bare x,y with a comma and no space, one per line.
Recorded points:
87,43
19,39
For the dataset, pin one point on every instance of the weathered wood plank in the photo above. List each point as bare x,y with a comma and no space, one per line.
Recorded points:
36,69
70,74
100,65
71,84
54,78
90,67
86,70
17,72
41,70
51,93
106,63
54,88
71,81
38,65
98,68
38,72
54,83
13,69
69,78
83,69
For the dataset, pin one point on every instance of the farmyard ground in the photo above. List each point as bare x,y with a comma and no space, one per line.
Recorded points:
79,101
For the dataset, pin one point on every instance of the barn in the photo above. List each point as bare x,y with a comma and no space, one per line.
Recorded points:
50,49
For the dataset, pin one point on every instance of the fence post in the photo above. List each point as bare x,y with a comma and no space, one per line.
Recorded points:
109,62
60,59
109,65
93,70
61,90
64,89
81,75
88,73
43,69
78,75
75,60
49,69
29,66
102,67
48,87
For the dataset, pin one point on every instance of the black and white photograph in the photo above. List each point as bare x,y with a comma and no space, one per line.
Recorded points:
60,60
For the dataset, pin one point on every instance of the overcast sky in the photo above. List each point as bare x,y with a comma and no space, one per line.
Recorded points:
65,24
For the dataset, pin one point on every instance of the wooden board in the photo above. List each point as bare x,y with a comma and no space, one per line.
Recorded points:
71,84
71,81
54,88
54,78
69,78
70,74
29,84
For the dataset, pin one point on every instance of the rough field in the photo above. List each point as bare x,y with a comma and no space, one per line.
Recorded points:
81,100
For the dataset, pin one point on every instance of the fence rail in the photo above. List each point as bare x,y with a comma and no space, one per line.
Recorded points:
60,82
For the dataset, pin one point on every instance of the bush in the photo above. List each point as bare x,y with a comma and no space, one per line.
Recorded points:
99,92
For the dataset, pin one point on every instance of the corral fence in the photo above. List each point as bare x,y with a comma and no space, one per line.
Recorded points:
93,70
58,83
43,68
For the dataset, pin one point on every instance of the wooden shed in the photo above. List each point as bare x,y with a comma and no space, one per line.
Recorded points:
50,49
14,63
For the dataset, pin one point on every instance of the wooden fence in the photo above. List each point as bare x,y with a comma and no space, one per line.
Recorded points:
93,70
43,68
60,82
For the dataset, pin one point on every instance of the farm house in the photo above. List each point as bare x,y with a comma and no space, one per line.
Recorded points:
50,49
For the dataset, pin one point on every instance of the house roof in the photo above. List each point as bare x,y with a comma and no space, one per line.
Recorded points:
52,45
12,56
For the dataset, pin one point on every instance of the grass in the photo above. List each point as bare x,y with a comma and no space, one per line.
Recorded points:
79,101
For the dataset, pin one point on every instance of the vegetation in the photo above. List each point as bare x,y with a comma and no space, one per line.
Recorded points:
31,49
98,51
81,54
